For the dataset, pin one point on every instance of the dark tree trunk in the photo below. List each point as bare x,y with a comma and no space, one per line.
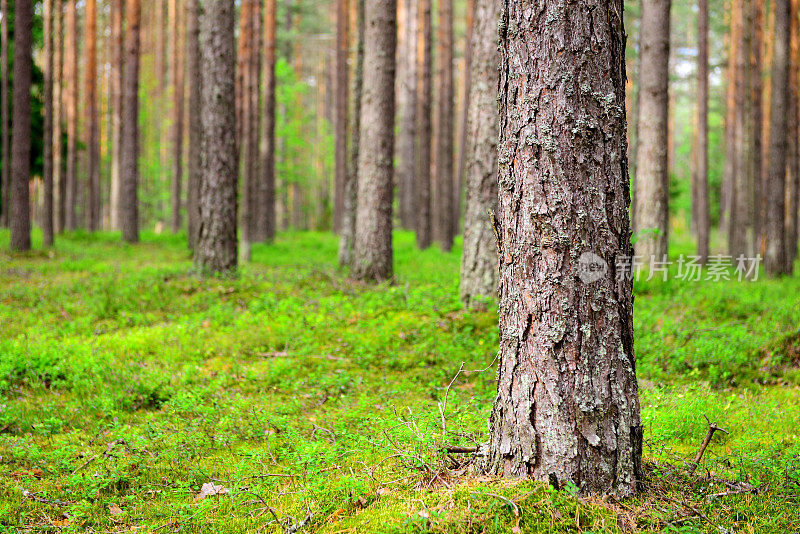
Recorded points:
651,211
71,75
129,143
340,106
775,258
407,107
5,137
792,151
117,13
21,126
216,248
443,180
244,126
254,95
726,192
422,184
47,144
479,256
372,255
195,126
567,407
266,183
756,90
93,140
177,117
351,184
701,182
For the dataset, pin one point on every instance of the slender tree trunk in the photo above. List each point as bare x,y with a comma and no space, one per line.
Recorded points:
775,259
459,177
21,126
177,116
651,212
255,120
407,103
351,183
59,205
756,90
117,12
93,140
5,136
443,180
372,255
129,146
245,126
567,407
71,185
479,256
729,170
266,220
340,107
216,248
701,182
195,120
793,140
422,183
47,145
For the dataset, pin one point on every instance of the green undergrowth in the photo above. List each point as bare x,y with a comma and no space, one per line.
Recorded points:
127,383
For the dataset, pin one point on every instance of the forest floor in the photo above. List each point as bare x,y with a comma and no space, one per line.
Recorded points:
132,391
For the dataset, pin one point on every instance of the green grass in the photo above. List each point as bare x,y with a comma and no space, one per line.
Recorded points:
127,381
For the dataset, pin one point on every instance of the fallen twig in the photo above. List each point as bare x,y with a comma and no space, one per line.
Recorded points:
712,427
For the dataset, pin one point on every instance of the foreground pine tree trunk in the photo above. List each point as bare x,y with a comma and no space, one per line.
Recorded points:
567,407
651,210
216,251
21,126
479,257
372,255
129,142
266,182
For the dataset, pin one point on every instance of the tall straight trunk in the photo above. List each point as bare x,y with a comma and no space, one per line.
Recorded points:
729,170
117,12
177,116
255,118
756,90
5,135
47,145
567,406
351,183
71,75
407,103
195,120
58,107
245,123
701,182
422,184
216,248
775,258
372,254
340,107
458,177
793,140
93,139
443,180
129,145
266,183
21,126
479,256
651,210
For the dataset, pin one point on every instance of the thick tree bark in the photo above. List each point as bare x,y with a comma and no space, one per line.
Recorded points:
266,182
340,107
216,251
117,12
195,126
793,140
71,75
47,145
129,143
567,407
5,135
651,210
21,126
177,116
422,184
407,108
372,255
93,140
775,258
443,180
479,256
351,183
701,182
